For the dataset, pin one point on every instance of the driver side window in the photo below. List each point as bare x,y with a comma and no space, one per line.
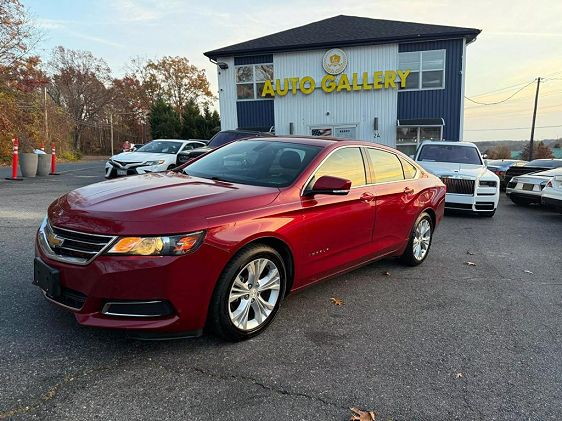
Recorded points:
344,163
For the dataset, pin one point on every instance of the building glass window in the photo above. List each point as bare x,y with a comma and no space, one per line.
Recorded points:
427,69
250,80
409,137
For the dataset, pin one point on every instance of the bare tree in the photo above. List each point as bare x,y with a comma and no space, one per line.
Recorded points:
80,84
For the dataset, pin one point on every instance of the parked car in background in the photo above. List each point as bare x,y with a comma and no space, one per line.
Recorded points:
470,185
219,139
155,156
532,166
500,167
552,193
526,189
221,247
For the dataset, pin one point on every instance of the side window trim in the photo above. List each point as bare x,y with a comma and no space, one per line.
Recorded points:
303,189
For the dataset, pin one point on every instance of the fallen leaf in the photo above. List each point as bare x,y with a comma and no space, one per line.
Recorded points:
470,253
336,301
387,273
459,376
528,271
470,263
359,415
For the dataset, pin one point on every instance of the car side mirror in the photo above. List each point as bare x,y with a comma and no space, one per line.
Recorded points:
330,185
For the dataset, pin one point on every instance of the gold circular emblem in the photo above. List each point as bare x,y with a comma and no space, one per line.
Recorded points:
334,61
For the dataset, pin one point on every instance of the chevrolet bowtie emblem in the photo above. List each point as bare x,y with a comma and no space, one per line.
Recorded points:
54,240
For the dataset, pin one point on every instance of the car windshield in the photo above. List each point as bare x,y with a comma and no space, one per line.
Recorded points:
224,137
255,162
450,153
545,163
161,146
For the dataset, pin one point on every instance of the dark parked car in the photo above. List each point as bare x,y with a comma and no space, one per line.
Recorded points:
533,166
221,138
500,167
221,244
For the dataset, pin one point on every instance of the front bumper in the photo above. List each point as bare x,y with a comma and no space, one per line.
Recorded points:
485,201
112,170
184,283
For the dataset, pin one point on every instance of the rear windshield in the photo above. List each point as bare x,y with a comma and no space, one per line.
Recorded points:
450,153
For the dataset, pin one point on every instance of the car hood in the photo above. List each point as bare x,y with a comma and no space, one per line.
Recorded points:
449,169
141,156
154,204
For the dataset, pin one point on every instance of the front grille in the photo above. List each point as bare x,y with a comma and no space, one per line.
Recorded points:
72,246
458,185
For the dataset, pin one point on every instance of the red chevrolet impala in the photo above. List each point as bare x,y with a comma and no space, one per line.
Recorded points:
223,242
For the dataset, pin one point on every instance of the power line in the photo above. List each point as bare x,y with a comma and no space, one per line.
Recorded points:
510,128
503,100
501,89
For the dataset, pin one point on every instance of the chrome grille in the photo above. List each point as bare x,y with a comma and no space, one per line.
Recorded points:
72,246
458,185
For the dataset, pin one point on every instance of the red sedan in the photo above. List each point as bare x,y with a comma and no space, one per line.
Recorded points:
221,243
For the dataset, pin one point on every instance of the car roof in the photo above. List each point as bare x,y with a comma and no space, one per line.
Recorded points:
323,141
174,140
449,143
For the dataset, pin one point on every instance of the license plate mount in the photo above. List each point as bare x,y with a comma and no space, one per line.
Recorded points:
46,278
121,172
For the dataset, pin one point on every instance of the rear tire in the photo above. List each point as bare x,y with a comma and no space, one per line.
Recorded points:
244,304
420,241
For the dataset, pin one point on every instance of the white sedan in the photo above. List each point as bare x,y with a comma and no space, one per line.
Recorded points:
158,155
528,188
552,193
470,185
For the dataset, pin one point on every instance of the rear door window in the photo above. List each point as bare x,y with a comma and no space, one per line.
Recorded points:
386,165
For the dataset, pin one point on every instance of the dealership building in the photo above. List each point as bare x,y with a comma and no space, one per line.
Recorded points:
390,82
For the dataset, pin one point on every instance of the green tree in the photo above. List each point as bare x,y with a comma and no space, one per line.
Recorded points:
197,125
164,121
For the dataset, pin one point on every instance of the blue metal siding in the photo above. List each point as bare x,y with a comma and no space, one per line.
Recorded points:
255,114
267,58
441,103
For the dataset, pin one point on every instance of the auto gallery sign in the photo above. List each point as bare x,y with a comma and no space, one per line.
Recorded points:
334,63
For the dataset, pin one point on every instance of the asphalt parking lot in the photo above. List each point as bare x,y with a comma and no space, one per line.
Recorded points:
442,341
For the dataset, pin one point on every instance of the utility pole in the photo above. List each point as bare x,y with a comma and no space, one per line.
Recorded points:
111,131
534,118
46,119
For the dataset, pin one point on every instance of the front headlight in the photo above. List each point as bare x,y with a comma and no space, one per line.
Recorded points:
487,183
174,245
160,162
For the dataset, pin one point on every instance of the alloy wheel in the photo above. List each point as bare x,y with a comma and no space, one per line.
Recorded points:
254,294
422,239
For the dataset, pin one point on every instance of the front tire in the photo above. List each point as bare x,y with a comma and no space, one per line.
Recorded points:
248,293
420,241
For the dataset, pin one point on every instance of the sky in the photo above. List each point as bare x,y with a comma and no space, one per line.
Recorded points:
520,41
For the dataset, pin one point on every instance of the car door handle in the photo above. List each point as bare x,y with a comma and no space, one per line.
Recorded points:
367,197
408,190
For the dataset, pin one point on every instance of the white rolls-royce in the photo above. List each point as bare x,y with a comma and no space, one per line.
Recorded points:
470,185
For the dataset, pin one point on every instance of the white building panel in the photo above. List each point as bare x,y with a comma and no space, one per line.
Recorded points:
227,94
343,109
